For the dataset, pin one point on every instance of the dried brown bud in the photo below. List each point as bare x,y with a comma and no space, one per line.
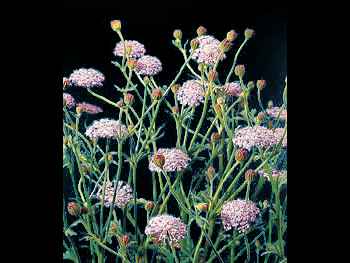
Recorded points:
175,110
217,108
249,175
225,45
210,173
261,84
201,31
249,33
129,98
231,36
215,137
109,157
202,67
220,101
65,82
261,116
149,205
120,103
177,34
240,71
159,160
251,85
113,228
157,94
79,110
73,209
212,75
270,125
194,44
270,104
146,80
132,63
84,210
241,155
124,240
116,25
175,88
202,207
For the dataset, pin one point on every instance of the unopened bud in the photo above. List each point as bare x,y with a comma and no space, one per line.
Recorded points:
201,31
249,33
157,94
220,101
159,160
212,75
175,110
116,25
175,88
129,98
241,155
217,108
257,244
84,210
124,240
120,103
251,85
149,205
109,157
210,173
265,204
130,128
261,116
73,209
270,125
79,110
65,82
202,67
240,71
113,228
270,104
65,140
231,36
225,45
215,137
177,34
249,175
202,207
146,80
194,44
261,84
132,63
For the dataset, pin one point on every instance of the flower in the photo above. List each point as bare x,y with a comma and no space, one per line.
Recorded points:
166,229
191,93
86,78
123,194
148,65
116,25
137,49
257,136
208,51
278,133
73,209
175,160
239,215
106,128
89,108
275,111
68,100
232,89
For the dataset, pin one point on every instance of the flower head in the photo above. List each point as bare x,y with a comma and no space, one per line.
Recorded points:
86,78
257,136
123,194
274,112
208,51
68,100
148,65
239,215
106,128
191,93
165,229
278,133
89,108
175,160
137,49
232,89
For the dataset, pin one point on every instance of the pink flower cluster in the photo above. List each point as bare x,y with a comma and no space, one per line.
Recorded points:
278,133
148,65
175,160
191,93
68,100
165,229
123,194
86,78
275,111
137,49
89,108
257,136
239,215
106,128
232,89
208,51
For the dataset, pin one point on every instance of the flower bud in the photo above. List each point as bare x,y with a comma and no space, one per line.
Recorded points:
258,244
231,36
270,104
109,157
202,207
175,110
146,80
249,175
240,71
113,228
251,85
128,50
129,98
123,240
79,110
132,63
241,155
212,75
175,88
215,137
201,31
177,34
116,25
260,117
261,84
270,125
149,205
194,44
265,204
84,210
157,94
120,103
210,173
65,82
65,140
225,45
73,209
159,160
130,128
217,108
202,67
249,33
220,101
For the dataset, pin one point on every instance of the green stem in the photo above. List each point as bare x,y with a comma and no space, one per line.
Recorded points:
235,61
